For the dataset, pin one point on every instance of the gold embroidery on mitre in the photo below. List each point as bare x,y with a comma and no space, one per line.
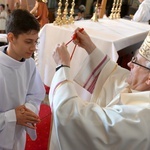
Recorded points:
145,48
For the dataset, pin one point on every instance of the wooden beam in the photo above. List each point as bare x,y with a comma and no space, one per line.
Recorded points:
102,9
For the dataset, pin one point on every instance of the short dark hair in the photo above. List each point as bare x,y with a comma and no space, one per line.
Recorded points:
2,6
81,9
21,21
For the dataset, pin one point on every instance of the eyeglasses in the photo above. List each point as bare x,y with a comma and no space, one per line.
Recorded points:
134,59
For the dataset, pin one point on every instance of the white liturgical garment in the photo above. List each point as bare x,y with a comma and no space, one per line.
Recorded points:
20,84
112,120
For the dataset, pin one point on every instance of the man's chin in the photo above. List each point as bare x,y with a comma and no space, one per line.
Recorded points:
28,56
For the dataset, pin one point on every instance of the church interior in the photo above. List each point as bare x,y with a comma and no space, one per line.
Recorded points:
105,31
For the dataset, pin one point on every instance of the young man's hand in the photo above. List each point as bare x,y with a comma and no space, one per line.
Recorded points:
26,117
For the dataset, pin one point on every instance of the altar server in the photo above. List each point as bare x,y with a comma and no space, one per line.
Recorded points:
117,116
21,88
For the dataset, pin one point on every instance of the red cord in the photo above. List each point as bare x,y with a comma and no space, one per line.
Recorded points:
73,38
68,42
73,52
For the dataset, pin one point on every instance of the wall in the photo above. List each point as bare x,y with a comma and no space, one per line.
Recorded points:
2,1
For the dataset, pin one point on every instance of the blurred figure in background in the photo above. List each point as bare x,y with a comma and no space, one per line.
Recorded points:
40,11
8,9
81,13
17,5
3,18
143,12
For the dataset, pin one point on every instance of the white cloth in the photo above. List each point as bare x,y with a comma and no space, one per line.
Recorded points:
111,120
20,84
143,12
4,16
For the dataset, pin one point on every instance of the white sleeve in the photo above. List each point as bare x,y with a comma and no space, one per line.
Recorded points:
36,94
90,70
7,129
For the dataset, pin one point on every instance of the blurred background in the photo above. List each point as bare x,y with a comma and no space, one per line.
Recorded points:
128,6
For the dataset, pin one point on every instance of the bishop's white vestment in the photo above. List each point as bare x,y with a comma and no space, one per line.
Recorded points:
112,120
20,84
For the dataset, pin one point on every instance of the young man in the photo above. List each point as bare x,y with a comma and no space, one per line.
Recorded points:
21,88
117,117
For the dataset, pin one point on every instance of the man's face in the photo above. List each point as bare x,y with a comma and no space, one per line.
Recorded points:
22,46
139,77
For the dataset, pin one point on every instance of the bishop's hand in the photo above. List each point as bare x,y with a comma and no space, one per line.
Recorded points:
61,55
83,40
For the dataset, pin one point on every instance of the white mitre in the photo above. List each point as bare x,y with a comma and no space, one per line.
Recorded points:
145,48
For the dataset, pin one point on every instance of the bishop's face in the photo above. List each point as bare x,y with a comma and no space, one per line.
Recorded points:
22,46
139,77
